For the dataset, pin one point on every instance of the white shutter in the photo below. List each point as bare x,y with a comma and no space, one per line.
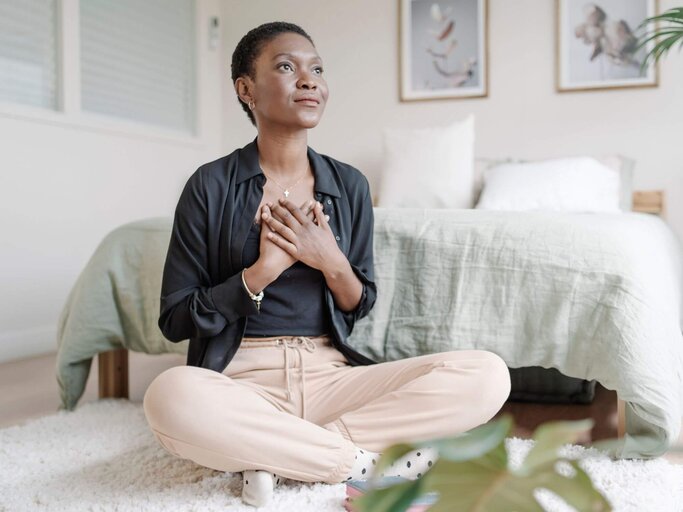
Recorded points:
28,52
138,60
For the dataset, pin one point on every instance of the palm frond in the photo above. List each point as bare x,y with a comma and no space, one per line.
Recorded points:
654,34
661,48
674,15
666,36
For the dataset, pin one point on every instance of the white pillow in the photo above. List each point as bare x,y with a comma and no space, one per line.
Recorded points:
620,163
428,167
577,184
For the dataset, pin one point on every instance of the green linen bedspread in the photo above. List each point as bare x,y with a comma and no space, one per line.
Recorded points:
596,296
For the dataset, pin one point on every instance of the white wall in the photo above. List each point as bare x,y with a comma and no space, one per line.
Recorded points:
66,182
522,116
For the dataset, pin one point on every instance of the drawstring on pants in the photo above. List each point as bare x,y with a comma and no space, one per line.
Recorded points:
296,343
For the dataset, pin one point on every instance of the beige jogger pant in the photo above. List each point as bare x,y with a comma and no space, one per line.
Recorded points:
294,406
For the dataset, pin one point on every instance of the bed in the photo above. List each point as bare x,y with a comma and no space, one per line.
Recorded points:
591,297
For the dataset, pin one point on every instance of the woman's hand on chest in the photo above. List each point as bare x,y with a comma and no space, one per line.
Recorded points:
310,241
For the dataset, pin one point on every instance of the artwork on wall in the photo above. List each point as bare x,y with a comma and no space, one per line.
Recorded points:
596,44
443,49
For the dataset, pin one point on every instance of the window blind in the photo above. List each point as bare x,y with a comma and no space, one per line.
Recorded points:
138,60
28,52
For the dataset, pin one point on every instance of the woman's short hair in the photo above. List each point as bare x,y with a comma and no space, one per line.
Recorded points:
249,48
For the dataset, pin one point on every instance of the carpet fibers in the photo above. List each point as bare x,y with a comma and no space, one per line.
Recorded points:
102,456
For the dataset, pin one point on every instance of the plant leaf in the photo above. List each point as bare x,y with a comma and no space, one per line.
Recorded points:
395,498
465,446
482,485
661,48
468,484
663,44
578,490
549,438
475,442
487,485
652,35
674,15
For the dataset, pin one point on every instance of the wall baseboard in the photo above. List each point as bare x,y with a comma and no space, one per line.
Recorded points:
27,343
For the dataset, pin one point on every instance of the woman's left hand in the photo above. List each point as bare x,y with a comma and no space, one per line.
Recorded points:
311,243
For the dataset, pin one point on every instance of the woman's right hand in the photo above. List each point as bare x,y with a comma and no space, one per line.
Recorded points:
272,256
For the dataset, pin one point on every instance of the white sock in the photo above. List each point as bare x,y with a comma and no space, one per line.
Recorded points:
412,465
258,485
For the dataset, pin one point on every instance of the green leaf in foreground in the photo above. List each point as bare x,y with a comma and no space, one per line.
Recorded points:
475,442
468,445
486,483
396,498
549,439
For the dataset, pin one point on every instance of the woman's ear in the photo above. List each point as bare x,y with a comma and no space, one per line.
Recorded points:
242,90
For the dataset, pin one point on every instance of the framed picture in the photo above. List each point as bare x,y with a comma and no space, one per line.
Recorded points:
443,49
596,44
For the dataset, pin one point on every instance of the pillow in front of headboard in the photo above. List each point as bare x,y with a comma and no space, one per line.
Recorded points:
577,184
624,165
428,167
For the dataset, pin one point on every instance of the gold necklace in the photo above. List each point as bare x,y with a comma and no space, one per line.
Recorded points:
286,190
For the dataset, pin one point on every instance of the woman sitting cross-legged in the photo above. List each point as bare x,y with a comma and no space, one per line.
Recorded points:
269,266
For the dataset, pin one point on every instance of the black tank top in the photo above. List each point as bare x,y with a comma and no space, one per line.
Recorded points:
293,304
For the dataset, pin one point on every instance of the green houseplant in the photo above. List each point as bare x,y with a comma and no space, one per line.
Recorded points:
665,36
472,473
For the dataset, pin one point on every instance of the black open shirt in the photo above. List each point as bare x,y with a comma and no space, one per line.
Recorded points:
202,295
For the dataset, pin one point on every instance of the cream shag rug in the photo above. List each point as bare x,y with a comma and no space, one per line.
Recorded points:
103,457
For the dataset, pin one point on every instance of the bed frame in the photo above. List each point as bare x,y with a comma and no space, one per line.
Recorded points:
113,364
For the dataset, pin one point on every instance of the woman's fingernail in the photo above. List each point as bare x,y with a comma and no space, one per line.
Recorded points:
264,216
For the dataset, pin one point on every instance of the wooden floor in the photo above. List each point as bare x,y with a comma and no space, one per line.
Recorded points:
28,389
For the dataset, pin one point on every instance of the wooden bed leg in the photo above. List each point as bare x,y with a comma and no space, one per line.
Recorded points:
113,373
621,418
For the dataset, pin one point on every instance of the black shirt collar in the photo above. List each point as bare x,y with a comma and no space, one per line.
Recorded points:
249,167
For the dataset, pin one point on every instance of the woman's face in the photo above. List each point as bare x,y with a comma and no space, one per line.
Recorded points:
287,70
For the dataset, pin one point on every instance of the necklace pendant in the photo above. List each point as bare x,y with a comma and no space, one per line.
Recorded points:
286,193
